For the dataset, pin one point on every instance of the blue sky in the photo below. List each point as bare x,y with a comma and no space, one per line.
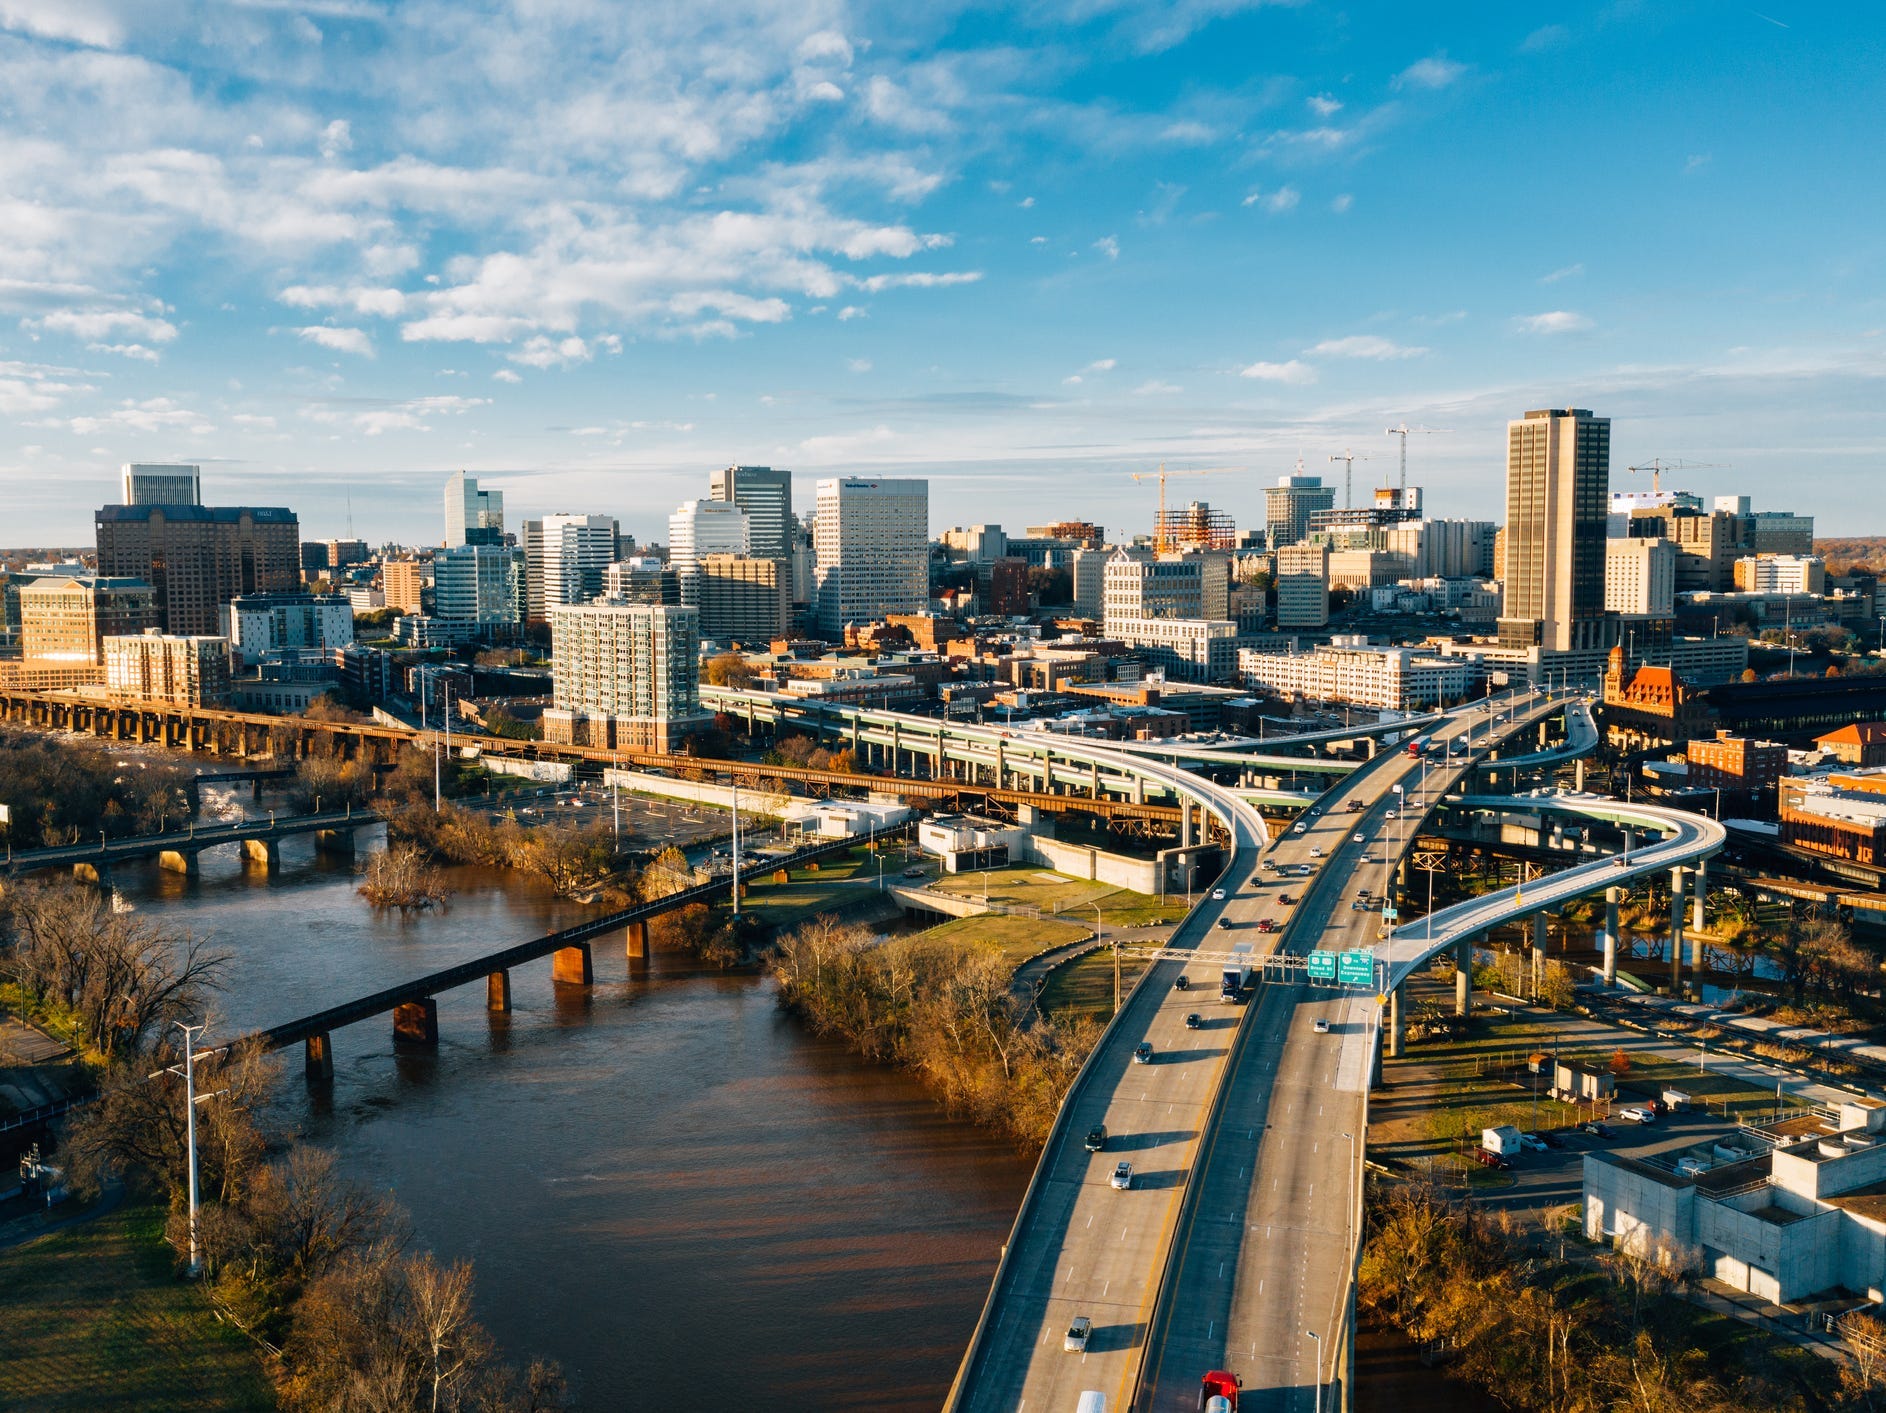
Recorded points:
588,251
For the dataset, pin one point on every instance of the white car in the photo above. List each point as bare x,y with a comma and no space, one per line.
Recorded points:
1394,814
1320,1026
1298,827
1638,1114
1315,852
1218,895
1357,837
1532,1143
1122,1177
1078,1334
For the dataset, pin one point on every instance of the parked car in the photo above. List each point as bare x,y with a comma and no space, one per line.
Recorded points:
1192,1021
1320,1026
1532,1143
1596,1128
1122,1177
1143,1053
913,873
1552,1140
1078,1334
1491,1160
1097,1138
1638,1113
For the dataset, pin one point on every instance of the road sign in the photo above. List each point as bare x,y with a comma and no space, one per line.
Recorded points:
1356,968
1321,966
1390,914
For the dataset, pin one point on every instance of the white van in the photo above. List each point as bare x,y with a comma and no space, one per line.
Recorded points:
1092,1401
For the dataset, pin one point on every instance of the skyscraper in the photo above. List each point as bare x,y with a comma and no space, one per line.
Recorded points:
873,543
765,494
565,560
1558,487
476,585
1290,503
699,528
199,557
472,516
151,484
627,676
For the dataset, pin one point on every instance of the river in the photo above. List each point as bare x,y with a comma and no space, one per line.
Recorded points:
666,1185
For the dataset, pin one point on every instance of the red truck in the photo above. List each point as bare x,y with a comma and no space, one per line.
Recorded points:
1218,1392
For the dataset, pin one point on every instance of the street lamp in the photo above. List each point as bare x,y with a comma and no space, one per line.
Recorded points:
1319,1368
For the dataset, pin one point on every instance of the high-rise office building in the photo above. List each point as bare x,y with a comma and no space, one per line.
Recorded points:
404,583
66,619
472,516
699,528
626,675
147,483
872,538
1558,486
1453,549
1290,503
743,598
1640,577
196,558
565,560
641,579
477,585
765,495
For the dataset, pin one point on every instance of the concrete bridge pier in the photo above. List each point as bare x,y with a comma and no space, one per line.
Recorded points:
265,853
569,966
1696,909
498,992
1676,931
1463,978
635,935
416,1022
1578,773
339,842
182,861
1396,1024
1185,823
1539,939
99,873
318,1058
1612,897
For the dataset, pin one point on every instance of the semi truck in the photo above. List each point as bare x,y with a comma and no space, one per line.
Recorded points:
1237,974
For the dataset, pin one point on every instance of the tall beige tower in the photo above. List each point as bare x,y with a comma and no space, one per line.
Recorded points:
1558,485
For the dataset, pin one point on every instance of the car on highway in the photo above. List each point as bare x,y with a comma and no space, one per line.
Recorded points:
1299,826
1532,1143
1218,895
1360,905
1078,1334
1357,836
1183,982
1320,1026
1315,852
1096,1138
1264,924
1122,1177
1224,924
1620,861
1394,814
1638,1113
1192,1022
1268,865
1143,1053
1356,807
1285,899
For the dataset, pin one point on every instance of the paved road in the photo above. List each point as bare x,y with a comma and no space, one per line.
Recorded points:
1266,1255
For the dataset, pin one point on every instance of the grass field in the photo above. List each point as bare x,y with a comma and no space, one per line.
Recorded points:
1087,985
1016,938
93,1319
836,882
1031,886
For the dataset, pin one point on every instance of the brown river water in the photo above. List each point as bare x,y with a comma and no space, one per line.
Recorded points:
666,1184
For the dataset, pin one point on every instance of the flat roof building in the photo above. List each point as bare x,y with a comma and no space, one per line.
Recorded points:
196,558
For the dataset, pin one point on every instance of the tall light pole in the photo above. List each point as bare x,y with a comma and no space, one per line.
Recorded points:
1319,1368
734,780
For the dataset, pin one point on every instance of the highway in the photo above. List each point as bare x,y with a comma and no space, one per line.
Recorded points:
1264,1251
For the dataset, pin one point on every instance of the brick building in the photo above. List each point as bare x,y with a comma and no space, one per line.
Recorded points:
1860,743
162,667
66,620
196,558
1736,765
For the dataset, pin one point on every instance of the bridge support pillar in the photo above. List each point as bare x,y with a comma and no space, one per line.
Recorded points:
498,992
1539,940
318,1058
1578,774
265,852
178,861
1463,977
1696,908
416,1022
1185,823
1396,1025
1676,932
1612,897
569,966
635,935
339,842
255,789
91,873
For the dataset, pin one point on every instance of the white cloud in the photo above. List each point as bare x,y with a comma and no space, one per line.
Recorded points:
1103,365
337,138
1188,132
1556,321
542,352
507,375
1544,38
1696,162
1295,372
858,365
1027,203
34,387
919,280
1071,379
126,350
1276,202
850,312
411,416
1324,105
824,91
83,21
340,340
1364,346
1154,387
1566,273
826,46
1108,246
156,414
98,325
1342,203
1435,71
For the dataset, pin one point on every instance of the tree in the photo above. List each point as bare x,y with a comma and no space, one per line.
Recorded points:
729,669
1051,587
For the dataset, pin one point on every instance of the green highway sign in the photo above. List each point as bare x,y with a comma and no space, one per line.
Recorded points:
1322,966
1356,969
1389,914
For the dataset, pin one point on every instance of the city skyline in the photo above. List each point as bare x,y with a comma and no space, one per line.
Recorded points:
1020,255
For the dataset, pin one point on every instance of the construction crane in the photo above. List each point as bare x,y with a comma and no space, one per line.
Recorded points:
1161,526
1656,466
1348,459
1402,431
